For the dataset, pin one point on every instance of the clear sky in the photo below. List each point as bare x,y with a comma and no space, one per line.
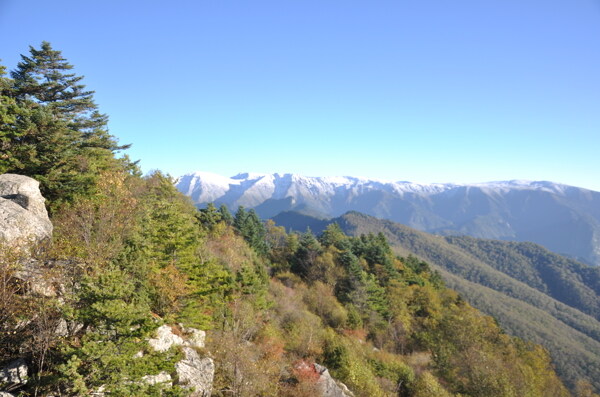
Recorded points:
421,90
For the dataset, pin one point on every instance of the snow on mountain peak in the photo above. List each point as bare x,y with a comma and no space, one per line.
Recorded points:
252,189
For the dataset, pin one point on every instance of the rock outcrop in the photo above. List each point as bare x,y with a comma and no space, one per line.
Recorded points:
194,371
165,338
325,385
329,386
13,375
161,377
23,215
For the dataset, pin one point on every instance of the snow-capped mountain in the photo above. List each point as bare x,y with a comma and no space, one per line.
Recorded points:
563,218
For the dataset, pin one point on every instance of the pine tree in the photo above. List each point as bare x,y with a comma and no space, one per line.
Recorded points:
117,322
333,235
249,226
225,214
52,130
209,217
43,78
306,254
10,113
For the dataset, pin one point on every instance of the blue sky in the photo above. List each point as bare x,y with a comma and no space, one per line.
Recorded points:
425,91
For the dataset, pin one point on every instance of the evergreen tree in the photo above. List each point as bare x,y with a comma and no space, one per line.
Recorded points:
116,319
209,217
43,78
249,226
169,232
10,131
306,254
333,235
239,221
51,129
225,214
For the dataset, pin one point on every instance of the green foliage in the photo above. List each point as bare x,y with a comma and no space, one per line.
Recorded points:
168,231
50,128
522,285
225,214
210,217
346,360
116,317
305,254
249,226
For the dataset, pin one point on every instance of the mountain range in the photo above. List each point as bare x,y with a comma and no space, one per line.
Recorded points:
564,219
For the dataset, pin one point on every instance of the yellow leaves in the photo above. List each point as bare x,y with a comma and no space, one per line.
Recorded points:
170,286
321,300
428,386
95,228
230,250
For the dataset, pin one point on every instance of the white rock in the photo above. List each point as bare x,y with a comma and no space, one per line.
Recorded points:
329,386
100,392
23,215
165,338
161,377
193,372
15,373
195,337
196,373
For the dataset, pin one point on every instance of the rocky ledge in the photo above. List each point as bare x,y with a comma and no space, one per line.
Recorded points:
23,215
195,371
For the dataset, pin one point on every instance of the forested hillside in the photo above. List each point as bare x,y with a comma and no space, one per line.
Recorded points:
534,293
130,254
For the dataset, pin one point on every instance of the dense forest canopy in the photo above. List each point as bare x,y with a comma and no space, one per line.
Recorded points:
132,253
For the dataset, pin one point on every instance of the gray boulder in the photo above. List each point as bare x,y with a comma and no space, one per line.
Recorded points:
14,374
23,215
195,337
165,338
196,372
160,378
193,372
328,386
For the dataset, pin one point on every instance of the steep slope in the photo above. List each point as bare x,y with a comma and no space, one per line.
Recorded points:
562,218
566,280
533,293
575,354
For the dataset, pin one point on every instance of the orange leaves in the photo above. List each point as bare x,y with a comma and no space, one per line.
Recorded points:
170,286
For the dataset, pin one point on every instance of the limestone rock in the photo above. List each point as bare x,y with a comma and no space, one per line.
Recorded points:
66,328
161,377
14,374
193,372
326,386
37,278
5,394
195,337
196,372
165,338
329,386
23,215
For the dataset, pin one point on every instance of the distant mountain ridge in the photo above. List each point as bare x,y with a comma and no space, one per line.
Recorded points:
564,219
